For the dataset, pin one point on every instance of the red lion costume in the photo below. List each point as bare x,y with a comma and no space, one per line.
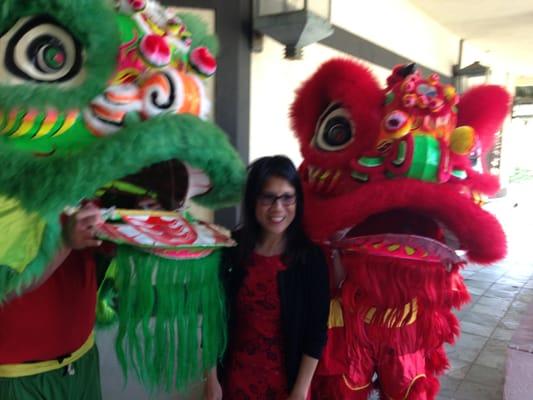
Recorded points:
391,192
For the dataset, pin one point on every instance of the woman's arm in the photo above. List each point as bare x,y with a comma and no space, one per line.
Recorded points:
317,300
303,380
316,329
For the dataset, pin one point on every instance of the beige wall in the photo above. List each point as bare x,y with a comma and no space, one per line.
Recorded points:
524,81
399,27
274,81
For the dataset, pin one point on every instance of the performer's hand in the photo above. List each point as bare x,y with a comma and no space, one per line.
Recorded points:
213,390
79,228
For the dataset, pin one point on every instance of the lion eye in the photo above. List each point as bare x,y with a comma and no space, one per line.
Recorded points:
335,130
41,50
395,121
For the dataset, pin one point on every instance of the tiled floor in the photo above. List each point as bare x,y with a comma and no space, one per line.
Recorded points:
500,294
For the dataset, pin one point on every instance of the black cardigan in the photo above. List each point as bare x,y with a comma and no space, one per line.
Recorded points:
304,301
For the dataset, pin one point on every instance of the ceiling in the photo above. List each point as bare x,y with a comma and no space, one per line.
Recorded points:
502,27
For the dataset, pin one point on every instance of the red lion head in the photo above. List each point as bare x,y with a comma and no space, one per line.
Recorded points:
398,160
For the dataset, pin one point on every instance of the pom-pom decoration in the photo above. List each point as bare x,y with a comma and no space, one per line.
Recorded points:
203,61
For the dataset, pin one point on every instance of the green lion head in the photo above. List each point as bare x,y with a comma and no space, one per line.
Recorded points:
92,93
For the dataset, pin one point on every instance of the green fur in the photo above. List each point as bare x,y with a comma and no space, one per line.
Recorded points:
160,318
200,36
100,42
13,283
65,180
106,314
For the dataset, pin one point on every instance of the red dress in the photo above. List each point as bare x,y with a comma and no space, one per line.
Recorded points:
256,366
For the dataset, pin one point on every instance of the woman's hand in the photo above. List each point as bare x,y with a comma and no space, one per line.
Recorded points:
80,227
297,396
303,380
213,390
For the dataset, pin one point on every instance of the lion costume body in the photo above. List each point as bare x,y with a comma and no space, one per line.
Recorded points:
391,193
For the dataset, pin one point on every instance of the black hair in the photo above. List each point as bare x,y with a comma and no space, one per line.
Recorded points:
248,233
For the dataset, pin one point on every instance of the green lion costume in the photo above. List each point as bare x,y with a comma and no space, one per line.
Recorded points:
98,100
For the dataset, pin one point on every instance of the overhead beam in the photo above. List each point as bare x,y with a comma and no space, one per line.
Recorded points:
356,46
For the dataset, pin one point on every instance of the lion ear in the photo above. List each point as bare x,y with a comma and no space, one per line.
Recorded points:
484,108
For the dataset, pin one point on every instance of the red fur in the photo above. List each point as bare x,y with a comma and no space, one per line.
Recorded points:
436,327
435,323
484,108
386,282
483,183
479,231
437,362
459,291
424,389
341,81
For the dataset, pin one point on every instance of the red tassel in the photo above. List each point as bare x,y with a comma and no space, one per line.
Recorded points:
386,282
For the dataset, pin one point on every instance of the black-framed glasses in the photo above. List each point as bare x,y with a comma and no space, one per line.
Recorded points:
269,199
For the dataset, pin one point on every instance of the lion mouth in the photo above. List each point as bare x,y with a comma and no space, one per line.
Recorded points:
411,209
165,185
403,234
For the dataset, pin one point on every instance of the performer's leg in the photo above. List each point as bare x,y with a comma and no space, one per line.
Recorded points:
77,381
88,385
354,384
404,376
338,387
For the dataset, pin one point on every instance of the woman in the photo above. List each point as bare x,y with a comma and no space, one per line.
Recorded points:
277,288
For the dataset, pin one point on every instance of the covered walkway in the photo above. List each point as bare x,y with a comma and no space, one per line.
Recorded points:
500,296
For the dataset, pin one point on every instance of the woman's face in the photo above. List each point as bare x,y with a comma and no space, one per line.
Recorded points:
276,206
